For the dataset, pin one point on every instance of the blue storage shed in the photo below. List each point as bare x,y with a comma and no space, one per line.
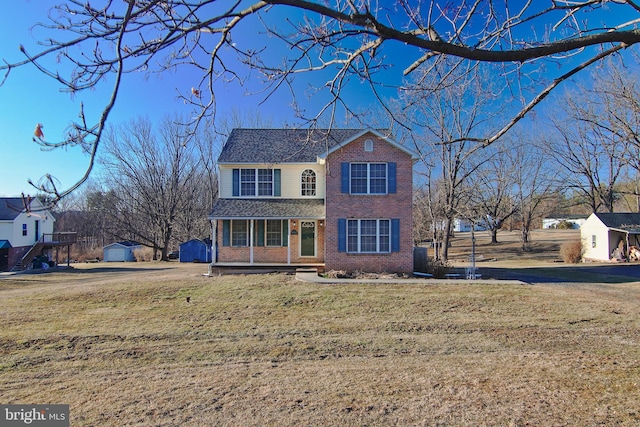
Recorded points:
196,250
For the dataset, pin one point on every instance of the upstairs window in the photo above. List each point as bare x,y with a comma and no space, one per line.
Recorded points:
256,182
24,229
248,182
308,184
368,178
265,182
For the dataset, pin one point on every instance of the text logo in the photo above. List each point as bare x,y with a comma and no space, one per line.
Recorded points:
34,415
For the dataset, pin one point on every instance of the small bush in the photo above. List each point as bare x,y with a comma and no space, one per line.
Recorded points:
143,254
437,268
565,225
572,251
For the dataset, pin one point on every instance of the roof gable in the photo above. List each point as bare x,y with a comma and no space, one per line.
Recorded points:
273,146
376,133
620,221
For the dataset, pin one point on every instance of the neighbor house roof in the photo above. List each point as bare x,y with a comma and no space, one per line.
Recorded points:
10,208
267,208
274,146
629,222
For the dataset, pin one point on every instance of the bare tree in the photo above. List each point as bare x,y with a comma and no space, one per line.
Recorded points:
535,184
491,189
342,41
158,181
589,152
611,108
444,124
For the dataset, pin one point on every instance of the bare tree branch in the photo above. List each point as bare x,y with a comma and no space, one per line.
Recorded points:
345,41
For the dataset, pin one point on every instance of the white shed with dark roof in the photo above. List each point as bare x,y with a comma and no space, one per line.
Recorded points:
608,236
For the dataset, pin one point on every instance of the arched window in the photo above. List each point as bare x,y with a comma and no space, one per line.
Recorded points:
308,185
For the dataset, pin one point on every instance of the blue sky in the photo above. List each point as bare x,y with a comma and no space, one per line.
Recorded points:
29,97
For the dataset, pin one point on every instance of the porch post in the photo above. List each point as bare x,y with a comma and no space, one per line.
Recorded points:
214,240
214,245
251,221
288,242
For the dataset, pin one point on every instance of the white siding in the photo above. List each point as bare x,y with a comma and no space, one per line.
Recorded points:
594,227
6,230
291,178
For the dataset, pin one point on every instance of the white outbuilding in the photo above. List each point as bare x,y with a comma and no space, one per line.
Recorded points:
608,236
121,251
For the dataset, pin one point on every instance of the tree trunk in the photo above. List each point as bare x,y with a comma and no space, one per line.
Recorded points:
494,236
446,240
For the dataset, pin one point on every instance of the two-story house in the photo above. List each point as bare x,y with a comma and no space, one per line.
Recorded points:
341,198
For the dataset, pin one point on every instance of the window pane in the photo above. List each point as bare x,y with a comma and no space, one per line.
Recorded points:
378,178
358,178
368,231
352,236
265,182
308,183
385,240
247,182
274,232
239,233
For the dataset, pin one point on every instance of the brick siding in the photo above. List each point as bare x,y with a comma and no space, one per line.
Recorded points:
344,205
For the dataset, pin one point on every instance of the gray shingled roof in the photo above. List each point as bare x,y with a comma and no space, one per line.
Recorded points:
10,208
267,208
281,145
622,221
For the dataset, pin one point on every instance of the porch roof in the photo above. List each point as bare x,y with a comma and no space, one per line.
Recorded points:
4,244
268,208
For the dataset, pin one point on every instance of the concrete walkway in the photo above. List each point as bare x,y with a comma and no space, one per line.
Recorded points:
305,275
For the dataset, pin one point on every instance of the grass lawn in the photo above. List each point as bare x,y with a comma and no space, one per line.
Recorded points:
122,346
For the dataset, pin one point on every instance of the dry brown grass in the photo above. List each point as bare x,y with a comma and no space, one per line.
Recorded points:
121,345
544,247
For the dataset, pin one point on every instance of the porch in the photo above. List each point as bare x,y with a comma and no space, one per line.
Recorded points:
20,258
261,268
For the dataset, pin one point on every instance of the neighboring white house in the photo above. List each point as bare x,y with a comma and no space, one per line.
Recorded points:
553,221
23,222
607,236
464,225
121,251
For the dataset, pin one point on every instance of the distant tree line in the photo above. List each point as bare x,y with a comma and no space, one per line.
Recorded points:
152,188
578,156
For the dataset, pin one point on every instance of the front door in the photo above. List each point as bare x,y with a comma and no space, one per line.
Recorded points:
308,239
